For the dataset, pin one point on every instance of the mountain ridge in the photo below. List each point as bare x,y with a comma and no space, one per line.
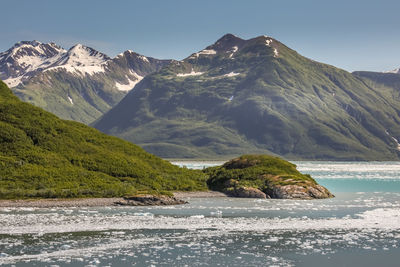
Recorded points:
77,84
244,96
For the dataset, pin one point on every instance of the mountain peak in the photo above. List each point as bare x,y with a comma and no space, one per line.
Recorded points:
132,57
81,55
227,42
21,43
33,45
229,37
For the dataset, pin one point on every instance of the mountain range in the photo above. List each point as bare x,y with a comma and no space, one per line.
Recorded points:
258,95
77,84
235,96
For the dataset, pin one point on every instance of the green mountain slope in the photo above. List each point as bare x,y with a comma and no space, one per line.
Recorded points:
44,156
255,96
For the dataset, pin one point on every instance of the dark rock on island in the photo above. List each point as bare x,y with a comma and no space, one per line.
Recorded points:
262,176
150,200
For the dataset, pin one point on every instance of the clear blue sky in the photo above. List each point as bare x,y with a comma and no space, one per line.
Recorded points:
353,35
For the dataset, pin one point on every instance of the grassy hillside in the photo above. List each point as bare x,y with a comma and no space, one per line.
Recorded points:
44,156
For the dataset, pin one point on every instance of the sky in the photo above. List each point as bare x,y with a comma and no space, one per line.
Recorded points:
352,34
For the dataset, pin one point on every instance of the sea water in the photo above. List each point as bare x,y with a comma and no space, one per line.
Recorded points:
359,227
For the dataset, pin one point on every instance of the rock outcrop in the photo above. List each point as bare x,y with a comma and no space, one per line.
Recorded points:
233,189
149,200
299,192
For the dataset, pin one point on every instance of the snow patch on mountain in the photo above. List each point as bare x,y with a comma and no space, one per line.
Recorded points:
397,71
204,52
70,100
13,82
394,139
143,58
192,73
207,52
268,42
131,83
232,51
231,74
79,70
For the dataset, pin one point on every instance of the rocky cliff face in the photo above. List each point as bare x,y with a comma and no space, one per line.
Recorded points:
233,189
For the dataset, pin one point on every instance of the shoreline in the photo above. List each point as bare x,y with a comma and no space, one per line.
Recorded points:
59,202
199,194
91,202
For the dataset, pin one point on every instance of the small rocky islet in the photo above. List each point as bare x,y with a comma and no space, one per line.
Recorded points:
249,176
263,176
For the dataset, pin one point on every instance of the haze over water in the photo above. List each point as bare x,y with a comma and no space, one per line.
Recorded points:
359,227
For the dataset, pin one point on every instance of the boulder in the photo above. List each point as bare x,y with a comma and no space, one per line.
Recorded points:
299,192
245,192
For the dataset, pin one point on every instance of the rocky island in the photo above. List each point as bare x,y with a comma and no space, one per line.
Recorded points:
262,176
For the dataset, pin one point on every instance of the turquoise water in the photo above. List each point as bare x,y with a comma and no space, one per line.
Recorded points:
355,176
342,176
359,227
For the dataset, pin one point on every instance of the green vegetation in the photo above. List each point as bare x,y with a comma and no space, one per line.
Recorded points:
42,156
258,171
283,104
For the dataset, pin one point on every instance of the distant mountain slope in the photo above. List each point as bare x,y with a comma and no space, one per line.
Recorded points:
79,84
240,96
389,81
44,156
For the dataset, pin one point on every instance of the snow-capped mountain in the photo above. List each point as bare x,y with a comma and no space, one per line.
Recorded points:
25,58
79,84
82,60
